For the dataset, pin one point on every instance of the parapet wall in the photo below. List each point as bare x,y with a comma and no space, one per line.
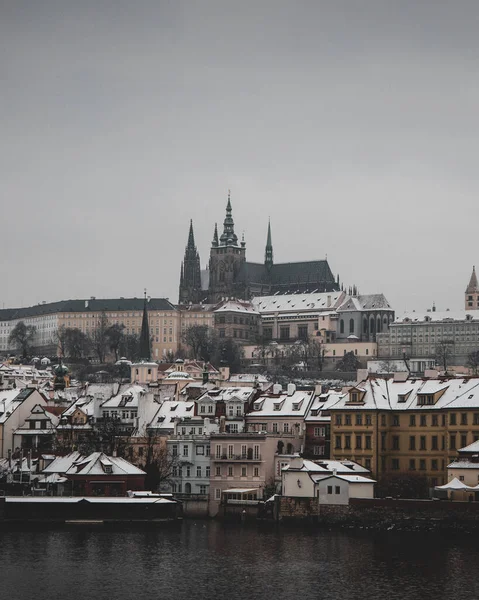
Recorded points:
382,513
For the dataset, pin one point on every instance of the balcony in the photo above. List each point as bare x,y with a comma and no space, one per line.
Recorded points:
237,458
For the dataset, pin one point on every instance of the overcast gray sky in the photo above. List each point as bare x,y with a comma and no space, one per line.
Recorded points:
353,124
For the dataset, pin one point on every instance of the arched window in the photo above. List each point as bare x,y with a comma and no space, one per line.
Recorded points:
372,327
379,327
365,325
341,326
351,325
188,488
289,448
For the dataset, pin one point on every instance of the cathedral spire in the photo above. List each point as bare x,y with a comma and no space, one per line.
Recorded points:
268,255
191,237
145,353
473,285
229,237
190,275
215,236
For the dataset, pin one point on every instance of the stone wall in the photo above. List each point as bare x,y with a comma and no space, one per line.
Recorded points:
382,513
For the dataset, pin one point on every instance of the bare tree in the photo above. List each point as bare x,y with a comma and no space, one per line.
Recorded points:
76,343
201,341
60,337
159,464
114,335
99,337
349,362
22,337
130,346
387,366
444,352
473,361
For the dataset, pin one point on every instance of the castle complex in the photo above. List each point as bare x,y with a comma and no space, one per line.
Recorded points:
230,275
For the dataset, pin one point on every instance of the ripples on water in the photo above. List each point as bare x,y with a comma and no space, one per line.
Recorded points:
208,560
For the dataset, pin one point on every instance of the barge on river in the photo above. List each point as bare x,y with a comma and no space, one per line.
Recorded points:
71,510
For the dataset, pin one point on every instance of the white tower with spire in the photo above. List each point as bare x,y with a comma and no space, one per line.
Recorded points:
472,292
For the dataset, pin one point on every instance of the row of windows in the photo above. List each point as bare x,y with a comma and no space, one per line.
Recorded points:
395,420
414,464
185,452
361,442
177,488
186,472
232,472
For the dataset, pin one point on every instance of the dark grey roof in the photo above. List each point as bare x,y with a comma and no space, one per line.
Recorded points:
288,274
91,305
366,302
302,272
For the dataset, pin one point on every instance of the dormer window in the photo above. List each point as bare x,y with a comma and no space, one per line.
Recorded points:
296,406
356,397
108,469
424,399
277,406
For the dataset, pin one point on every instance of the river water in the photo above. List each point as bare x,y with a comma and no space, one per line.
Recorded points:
200,559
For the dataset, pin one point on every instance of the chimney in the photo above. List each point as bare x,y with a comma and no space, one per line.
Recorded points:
400,376
86,303
328,301
277,388
291,389
296,462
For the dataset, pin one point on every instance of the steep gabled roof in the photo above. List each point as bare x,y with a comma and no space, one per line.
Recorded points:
473,286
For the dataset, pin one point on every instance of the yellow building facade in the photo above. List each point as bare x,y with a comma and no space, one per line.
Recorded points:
414,426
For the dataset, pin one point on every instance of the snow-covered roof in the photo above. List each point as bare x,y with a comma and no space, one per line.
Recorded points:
61,464
169,411
471,449
365,302
387,394
321,404
248,378
236,307
90,499
228,394
281,405
10,400
95,464
178,375
298,302
463,464
342,467
437,316
127,398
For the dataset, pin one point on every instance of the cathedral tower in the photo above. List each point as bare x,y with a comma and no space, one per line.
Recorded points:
227,258
472,292
190,276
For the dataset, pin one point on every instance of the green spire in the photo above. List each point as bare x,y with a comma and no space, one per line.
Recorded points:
145,353
268,255
229,237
